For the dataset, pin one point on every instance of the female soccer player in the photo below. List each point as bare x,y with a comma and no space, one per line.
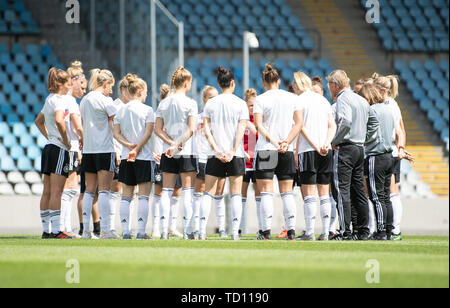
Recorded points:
133,127
178,114
202,151
158,145
99,157
75,134
55,156
275,112
225,120
379,161
250,138
315,156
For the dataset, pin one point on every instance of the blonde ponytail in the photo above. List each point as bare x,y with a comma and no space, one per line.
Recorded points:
99,78
394,86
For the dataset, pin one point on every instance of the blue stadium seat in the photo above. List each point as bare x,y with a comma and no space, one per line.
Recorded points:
24,164
41,141
7,164
33,152
16,152
37,164
9,140
19,129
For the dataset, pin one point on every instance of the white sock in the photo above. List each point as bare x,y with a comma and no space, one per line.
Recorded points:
125,215
45,219
188,208
205,210
143,210
310,214
236,213
103,208
132,209
156,204
55,218
196,216
174,206
115,198
165,209
290,211
68,214
220,212
65,204
243,226
87,210
397,207
372,219
325,213
258,212
266,210
334,215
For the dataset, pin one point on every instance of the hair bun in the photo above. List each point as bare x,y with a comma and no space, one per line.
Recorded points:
222,70
76,64
131,78
269,66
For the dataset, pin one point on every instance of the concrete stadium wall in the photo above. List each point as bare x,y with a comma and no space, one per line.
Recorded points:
20,215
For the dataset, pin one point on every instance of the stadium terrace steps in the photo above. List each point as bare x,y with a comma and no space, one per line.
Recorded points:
349,54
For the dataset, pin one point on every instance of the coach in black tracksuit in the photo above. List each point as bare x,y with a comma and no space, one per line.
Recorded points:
356,124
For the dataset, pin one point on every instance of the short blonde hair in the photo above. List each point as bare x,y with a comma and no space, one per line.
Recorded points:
249,94
206,91
303,82
340,78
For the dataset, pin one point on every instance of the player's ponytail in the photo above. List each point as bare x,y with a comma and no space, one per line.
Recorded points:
179,77
75,70
99,78
371,93
394,86
303,82
164,91
56,78
270,75
135,84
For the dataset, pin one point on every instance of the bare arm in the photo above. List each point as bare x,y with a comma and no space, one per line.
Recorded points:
76,122
208,134
122,140
61,125
239,135
161,133
148,134
192,123
40,124
295,131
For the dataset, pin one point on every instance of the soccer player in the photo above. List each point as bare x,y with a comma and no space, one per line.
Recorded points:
225,120
203,151
250,138
356,123
99,157
178,114
75,134
116,186
133,127
315,156
317,85
379,162
279,120
55,156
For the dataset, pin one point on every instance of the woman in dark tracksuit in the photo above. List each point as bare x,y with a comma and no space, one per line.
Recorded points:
378,163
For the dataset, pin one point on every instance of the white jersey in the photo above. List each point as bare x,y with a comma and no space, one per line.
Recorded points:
397,118
54,103
133,118
201,144
117,145
278,108
96,109
175,111
316,112
225,112
70,128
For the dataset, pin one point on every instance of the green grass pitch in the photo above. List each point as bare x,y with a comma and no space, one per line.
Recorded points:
27,261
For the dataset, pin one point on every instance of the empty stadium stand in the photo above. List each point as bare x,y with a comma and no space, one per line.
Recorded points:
16,19
413,25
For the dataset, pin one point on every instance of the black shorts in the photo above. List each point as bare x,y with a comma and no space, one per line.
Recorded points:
139,172
201,171
73,164
396,169
158,176
216,168
93,163
178,165
314,168
55,160
250,176
297,180
271,163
